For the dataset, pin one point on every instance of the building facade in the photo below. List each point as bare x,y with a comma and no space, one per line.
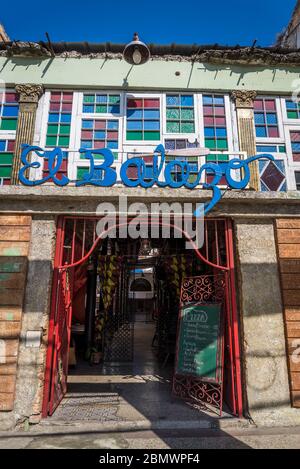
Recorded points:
236,102
290,38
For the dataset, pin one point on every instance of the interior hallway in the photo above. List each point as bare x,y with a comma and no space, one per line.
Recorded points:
131,392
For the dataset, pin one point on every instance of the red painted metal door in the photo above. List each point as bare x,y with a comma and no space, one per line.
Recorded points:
62,316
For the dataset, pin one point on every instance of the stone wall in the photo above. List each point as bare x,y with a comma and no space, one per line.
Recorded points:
263,344
34,333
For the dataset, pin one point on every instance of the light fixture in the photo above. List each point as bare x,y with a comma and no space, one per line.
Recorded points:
136,52
145,247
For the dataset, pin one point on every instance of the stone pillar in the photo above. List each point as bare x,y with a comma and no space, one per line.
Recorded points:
28,98
34,331
245,118
263,338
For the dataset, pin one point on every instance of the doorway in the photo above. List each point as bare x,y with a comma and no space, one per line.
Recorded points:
119,303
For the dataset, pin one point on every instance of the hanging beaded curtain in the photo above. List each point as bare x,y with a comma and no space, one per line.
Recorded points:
109,270
177,268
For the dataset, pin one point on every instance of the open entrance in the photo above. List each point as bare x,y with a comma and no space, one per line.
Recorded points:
114,322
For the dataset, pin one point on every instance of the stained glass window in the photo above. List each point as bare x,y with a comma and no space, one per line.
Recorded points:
297,178
63,169
143,119
101,103
295,142
180,113
82,170
215,129
178,144
265,118
272,176
100,133
59,119
9,109
222,161
132,170
7,148
271,148
292,109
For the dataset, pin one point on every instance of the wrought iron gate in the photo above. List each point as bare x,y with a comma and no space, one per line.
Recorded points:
60,323
204,289
119,329
74,247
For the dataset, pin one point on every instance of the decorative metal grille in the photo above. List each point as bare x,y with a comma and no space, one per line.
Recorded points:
119,330
202,289
194,390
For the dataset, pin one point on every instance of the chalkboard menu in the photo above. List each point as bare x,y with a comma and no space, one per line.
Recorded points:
199,342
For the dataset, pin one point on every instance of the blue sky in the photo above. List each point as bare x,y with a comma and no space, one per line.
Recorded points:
159,21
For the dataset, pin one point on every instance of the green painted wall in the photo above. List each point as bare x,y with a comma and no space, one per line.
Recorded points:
156,74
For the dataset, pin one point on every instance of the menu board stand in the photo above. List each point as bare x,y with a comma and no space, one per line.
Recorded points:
198,375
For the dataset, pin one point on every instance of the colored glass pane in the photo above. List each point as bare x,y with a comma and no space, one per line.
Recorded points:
96,133
99,103
8,124
63,141
9,109
59,119
51,141
295,141
292,114
173,113
173,127
265,118
293,111
187,127
215,130
180,113
6,160
187,114
5,171
143,119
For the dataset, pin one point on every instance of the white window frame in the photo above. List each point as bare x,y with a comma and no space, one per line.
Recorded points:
174,135
279,139
282,157
285,119
8,134
42,122
145,96
76,161
292,165
97,114
231,130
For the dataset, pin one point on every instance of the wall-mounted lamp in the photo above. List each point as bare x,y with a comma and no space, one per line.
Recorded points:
136,52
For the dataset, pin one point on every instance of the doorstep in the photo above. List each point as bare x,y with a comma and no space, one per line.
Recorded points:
54,427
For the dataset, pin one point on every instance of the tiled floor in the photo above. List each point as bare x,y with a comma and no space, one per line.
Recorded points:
135,391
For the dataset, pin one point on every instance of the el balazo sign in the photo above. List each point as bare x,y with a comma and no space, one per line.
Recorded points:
104,175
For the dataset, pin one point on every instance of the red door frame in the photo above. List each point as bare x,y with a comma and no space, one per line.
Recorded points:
231,302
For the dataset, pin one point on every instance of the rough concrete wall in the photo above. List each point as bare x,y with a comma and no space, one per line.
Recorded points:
264,353
32,351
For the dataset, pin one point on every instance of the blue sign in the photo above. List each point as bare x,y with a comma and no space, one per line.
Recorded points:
104,175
